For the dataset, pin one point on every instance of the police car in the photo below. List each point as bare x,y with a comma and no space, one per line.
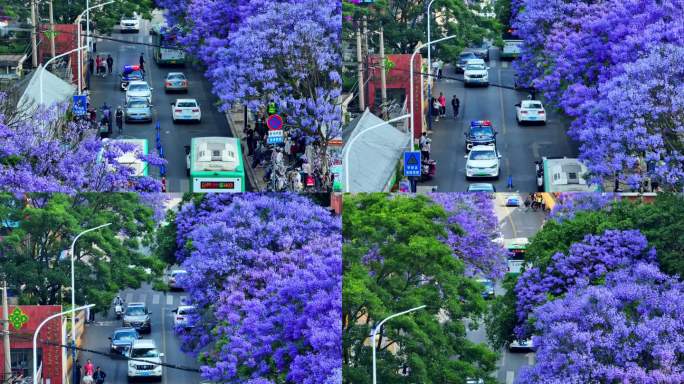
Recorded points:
480,132
130,73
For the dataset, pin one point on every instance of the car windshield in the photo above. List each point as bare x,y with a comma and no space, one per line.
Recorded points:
137,104
125,335
136,74
475,67
138,87
467,56
135,311
533,106
482,155
145,352
481,130
175,76
186,311
184,104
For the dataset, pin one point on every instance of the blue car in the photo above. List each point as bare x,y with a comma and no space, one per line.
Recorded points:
130,73
138,109
122,339
480,132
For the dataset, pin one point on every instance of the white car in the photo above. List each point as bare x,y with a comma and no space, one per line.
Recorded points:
139,89
530,111
130,23
173,278
186,110
482,161
181,314
147,359
521,345
476,72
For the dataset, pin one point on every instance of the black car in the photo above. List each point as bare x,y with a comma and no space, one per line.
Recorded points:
463,58
122,338
480,132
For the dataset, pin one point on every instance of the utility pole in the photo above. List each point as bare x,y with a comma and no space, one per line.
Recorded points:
383,78
6,335
52,32
366,51
359,61
34,30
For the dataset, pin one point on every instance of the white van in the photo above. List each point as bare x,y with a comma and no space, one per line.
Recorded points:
146,360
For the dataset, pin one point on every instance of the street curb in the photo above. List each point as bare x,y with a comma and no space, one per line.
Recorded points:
248,169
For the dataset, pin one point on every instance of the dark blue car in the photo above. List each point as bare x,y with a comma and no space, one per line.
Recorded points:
480,132
130,73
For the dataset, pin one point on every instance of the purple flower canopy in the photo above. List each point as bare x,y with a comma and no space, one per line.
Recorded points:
43,153
615,67
266,272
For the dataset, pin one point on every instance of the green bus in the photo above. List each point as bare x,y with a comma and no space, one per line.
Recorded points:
215,164
167,49
516,258
132,159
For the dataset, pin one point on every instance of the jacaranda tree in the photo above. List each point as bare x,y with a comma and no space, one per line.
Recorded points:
611,66
44,152
628,330
266,273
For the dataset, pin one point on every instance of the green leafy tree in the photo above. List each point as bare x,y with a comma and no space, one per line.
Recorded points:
405,24
393,260
107,260
662,222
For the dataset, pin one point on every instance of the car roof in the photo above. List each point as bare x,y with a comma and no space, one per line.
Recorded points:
175,73
186,307
136,304
475,61
182,101
134,82
528,102
127,329
467,53
483,148
144,343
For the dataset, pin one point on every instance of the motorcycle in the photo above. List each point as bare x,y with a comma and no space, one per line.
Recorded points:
118,310
539,168
429,169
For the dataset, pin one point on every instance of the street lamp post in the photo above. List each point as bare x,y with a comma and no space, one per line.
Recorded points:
6,334
375,331
35,336
78,22
40,76
347,187
429,40
418,48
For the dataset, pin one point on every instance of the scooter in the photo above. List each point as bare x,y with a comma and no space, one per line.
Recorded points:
539,168
118,310
429,169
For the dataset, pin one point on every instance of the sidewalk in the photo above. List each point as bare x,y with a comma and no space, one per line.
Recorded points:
236,122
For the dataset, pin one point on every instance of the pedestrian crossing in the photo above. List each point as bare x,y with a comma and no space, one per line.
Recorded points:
156,298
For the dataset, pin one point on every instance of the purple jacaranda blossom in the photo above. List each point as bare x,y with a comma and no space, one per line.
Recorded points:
628,330
569,204
266,272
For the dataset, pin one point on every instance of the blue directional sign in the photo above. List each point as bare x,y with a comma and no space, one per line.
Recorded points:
412,164
80,105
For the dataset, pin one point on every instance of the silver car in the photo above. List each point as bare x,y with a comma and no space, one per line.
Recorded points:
176,82
138,109
136,316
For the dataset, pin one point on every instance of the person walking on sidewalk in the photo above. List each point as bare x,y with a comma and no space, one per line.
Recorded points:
99,376
442,103
91,65
88,368
436,109
110,64
142,63
455,104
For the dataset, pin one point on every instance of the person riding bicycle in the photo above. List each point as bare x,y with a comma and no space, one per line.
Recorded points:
119,118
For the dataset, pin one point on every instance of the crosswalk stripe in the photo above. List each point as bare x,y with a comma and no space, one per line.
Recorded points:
129,297
143,298
504,64
155,299
169,300
510,375
492,64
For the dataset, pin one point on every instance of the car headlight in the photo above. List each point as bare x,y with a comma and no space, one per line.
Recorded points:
494,166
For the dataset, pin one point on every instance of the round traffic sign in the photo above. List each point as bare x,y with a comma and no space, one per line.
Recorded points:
274,122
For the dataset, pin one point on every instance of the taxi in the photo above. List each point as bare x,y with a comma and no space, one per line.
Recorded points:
130,73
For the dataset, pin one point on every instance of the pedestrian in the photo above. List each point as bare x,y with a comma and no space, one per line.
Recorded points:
442,104
88,368
87,379
94,45
99,376
91,65
528,202
110,63
436,107
88,73
142,63
98,63
455,104
78,368
119,120
249,137
440,66
425,150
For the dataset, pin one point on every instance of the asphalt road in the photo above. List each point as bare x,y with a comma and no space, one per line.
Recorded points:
173,136
519,146
160,305
513,222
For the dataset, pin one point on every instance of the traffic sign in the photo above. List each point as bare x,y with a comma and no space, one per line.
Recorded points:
80,105
275,137
274,122
412,164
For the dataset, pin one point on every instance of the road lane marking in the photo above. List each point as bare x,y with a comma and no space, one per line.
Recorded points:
107,323
503,111
169,300
129,297
530,358
504,64
143,298
510,375
155,298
